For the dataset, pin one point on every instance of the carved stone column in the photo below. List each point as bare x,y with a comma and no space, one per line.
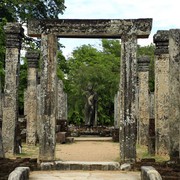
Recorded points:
174,91
14,33
47,139
151,144
116,109
31,97
143,114
38,109
62,102
128,80
161,40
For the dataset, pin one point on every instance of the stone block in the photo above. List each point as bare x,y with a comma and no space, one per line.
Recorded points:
60,165
45,166
69,140
20,173
125,167
149,173
115,135
96,167
61,137
75,166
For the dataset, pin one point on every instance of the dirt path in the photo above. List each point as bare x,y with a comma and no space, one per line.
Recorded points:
88,151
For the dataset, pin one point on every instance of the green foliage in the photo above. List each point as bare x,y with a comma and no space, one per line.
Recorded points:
62,68
22,84
99,70
89,67
22,10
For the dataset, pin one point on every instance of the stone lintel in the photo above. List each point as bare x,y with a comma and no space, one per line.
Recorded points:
161,39
14,34
143,63
32,58
90,28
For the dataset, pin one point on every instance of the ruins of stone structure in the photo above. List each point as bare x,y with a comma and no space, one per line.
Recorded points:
62,102
174,91
31,97
167,114
48,98
151,143
128,82
161,40
38,108
14,34
116,109
143,101
129,31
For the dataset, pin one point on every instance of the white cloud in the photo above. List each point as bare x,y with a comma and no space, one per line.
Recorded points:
164,13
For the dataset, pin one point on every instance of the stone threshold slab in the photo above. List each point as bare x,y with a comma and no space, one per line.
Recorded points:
80,165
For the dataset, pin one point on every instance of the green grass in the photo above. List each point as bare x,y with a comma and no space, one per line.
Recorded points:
29,151
142,153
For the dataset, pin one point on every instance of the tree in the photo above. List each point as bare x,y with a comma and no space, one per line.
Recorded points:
22,10
96,71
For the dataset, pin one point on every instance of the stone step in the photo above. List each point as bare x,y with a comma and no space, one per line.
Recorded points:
92,138
79,165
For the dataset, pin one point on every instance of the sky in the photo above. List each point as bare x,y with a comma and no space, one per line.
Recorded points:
165,14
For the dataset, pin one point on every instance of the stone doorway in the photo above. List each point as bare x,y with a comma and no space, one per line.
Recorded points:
128,30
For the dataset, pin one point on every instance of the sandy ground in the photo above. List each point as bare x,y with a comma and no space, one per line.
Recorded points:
88,151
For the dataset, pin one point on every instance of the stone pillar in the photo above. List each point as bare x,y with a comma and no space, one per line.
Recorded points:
47,138
151,144
14,33
174,91
161,40
38,110
62,102
25,103
1,102
128,78
31,97
143,114
116,110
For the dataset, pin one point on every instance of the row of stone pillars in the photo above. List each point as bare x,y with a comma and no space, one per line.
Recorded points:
128,89
41,101
165,101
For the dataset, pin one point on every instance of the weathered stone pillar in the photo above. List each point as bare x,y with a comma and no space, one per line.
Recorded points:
116,109
1,102
47,139
161,39
31,97
151,144
143,107
14,33
1,146
174,91
38,110
62,102
25,103
128,78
